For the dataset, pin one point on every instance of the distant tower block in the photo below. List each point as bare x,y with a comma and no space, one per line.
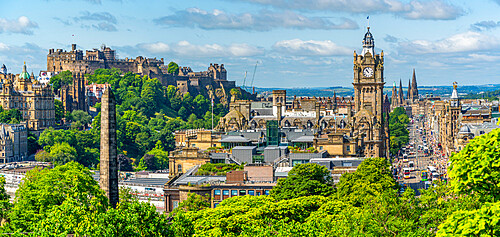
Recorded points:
109,163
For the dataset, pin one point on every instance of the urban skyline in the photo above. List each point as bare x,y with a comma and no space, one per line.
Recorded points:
291,40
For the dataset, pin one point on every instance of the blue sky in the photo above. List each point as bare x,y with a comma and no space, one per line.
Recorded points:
297,43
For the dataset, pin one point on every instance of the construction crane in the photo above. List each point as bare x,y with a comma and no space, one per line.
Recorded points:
253,76
244,80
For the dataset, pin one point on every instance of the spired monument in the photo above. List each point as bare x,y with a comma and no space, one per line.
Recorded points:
109,162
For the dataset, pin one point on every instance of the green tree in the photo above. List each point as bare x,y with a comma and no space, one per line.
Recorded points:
81,117
476,222
62,153
371,179
475,169
304,180
153,96
160,155
33,145
61,79
43,156
173,68
5,204
59,110
194,202
43,190
12,116
236,94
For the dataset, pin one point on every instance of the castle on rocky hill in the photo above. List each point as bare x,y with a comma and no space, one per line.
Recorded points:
211,83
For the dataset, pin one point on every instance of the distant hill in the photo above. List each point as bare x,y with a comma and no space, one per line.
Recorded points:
348,91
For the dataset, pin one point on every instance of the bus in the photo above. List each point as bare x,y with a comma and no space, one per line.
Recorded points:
424,176
406,173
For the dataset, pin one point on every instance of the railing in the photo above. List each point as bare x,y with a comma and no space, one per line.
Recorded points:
231,158
282,159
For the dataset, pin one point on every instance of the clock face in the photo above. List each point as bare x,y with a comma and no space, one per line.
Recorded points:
368,72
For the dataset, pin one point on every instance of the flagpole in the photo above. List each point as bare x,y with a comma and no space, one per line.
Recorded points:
212,114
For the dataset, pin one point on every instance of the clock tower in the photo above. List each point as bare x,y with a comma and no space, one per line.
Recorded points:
368,97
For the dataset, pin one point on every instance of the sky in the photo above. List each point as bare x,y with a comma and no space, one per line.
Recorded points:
294,43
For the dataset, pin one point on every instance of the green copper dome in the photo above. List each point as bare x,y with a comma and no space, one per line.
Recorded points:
24,74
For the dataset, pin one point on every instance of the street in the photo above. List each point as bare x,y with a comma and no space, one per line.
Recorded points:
422,153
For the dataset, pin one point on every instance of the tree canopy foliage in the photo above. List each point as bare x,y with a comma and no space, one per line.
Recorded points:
147,116
304,180
67,200
61,79
173,68
10,116
398,127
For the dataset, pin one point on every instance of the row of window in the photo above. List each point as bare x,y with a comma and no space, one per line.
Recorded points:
241,192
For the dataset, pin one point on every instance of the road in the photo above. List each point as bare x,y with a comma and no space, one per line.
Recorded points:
417,156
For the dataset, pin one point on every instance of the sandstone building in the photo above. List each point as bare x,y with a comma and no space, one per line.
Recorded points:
360,119
34,100
13,142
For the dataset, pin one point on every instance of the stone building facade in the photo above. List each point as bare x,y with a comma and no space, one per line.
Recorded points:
360,118
34,100
13,142
73,96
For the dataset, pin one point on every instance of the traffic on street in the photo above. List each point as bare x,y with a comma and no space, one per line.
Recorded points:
420,162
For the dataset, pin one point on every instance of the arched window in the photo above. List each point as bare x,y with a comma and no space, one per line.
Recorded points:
179,168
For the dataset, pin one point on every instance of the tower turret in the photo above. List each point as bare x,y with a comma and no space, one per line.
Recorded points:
368,43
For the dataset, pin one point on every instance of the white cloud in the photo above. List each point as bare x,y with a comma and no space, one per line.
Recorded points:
415,9
186,49
484,57
262,21
13,57
428,10
463,42
310,48
22,25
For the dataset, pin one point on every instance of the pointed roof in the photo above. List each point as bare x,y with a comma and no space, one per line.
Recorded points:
401,96
414,84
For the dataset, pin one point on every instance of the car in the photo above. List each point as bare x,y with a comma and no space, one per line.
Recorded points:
405,157
411,165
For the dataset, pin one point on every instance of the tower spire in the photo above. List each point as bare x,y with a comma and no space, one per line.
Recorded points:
414,89
401,95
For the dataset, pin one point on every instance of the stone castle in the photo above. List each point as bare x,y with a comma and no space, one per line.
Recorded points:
211,83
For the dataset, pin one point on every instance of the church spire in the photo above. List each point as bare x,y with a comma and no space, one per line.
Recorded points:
394,97
401,95
414,89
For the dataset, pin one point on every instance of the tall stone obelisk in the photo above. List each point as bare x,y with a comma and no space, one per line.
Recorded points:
109,162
